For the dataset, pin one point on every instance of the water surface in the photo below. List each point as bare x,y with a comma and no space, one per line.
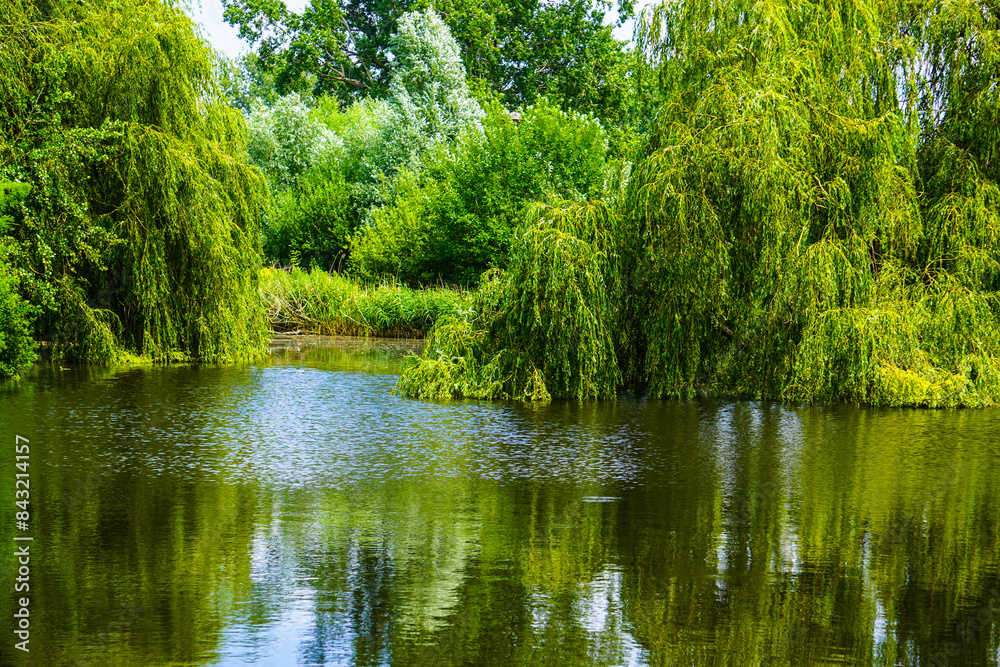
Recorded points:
295,512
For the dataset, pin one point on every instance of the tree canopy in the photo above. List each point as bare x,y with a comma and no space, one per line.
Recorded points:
813,215
140,233
519,50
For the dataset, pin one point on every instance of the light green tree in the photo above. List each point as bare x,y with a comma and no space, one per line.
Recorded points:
285,141
814,212
141,231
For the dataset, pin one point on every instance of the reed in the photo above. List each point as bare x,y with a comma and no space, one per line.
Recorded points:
327,304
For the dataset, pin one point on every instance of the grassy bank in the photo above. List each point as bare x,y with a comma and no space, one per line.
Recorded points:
332,305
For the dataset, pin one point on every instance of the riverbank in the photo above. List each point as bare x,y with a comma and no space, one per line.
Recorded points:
326,304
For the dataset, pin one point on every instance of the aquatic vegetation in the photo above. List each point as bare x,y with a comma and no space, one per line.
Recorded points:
330,304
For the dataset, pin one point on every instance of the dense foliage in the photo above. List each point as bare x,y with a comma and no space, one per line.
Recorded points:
423,186
16,345
563,50
140,234
814,213
543,328
455,216
330,168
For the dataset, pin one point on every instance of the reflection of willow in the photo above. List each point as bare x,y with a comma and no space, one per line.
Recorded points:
143,558
136,572
885,546
771,536
416,578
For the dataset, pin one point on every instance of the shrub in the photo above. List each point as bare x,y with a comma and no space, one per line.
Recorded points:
456,217
16,345
17,348
311,223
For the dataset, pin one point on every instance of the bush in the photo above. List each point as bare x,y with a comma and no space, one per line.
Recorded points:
456,217
17,349
311,224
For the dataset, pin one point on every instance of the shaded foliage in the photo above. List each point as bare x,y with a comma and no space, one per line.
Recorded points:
311,223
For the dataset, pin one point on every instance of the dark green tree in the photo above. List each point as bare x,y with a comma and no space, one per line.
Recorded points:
519,49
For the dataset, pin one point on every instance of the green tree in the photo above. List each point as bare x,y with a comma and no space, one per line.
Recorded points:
520,50
455,215
141,232
331,168
785,236
339,48
814,212
285,141
429,97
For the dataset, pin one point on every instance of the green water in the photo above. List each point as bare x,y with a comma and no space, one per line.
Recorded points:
296,513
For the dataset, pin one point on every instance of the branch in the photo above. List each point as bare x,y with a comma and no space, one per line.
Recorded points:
346,79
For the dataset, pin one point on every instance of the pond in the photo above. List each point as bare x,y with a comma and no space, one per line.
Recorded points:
295,512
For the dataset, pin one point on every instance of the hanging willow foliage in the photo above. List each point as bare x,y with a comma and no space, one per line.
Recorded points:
815,214
141,233
541,329
792,251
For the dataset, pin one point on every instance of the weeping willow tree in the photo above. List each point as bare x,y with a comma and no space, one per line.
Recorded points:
794,245
814,215
541,329
141,231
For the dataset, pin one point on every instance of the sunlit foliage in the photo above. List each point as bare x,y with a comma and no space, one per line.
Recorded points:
814,214
16,345
141,233
333,305
789,239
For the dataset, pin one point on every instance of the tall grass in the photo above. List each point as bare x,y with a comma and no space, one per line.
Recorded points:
332,305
